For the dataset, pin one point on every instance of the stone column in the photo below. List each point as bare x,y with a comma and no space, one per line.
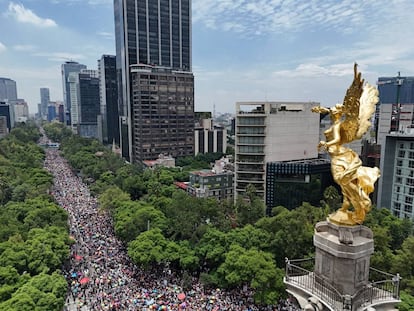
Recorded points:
343,255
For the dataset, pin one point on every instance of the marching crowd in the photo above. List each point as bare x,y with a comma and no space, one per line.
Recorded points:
101,276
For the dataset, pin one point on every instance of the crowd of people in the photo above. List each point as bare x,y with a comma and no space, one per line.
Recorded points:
101,276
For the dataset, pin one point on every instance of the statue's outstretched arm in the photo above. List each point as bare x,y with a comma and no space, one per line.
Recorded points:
320,109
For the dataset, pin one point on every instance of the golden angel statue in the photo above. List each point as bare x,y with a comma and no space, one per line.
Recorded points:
350,121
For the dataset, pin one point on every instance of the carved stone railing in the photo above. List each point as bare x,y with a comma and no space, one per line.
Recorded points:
383,288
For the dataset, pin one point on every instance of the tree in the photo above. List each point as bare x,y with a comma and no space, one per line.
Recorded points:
407,302
46,249
254,268
112,198
403,264
250,208
42,292
291,232
133,218
148,248
212,247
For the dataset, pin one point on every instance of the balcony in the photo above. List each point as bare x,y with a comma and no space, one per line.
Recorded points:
383,290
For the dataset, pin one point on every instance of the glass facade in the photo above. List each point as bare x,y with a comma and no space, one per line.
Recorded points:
402,197
155,33
109,99
393,89
67,68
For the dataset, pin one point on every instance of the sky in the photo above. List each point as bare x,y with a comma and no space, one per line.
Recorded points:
242,50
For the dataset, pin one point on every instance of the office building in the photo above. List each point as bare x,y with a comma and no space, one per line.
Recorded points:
290,183
51,113
271,132
396,184
8,89
156,86
209,138
21,110
395,110
162,112
44,102
85,102
109,100
7,112
66,69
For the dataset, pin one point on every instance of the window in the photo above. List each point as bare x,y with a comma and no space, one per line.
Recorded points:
397,206
408,208
399,162
401,153
411,164
398,171
409,200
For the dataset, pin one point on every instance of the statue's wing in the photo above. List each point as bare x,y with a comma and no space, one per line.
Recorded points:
367,103
351,109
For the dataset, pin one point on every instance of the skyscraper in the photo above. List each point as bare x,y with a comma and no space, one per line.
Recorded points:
44,102
156,86
109,99
8,90
85,101
67,68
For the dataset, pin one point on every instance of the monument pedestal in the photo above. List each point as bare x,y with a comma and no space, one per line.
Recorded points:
342,256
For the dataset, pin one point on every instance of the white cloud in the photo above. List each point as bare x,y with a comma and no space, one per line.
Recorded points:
316,70
90,2
23,15
106,35
24,48
276,16
60,56
2,47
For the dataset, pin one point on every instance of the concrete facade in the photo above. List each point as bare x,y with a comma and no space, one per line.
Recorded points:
162,113
396,184
209,138
271,132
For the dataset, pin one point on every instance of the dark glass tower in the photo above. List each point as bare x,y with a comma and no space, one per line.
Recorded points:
155,33
109,99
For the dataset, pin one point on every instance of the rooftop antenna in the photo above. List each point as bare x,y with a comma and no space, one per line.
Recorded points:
214,111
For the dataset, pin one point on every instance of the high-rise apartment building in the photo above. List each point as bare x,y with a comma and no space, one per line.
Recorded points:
395,110
44,102
396,185
153,59
67,68
8,89
271,132
109,99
